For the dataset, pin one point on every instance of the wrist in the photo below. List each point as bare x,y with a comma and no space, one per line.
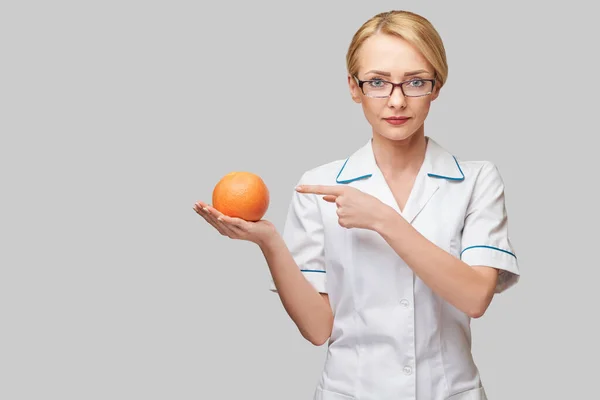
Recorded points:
386,219
268,240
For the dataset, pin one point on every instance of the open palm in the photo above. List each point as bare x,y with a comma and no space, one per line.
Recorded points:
235,228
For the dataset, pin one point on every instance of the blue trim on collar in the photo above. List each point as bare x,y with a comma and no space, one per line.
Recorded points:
448,177
349,180
461,178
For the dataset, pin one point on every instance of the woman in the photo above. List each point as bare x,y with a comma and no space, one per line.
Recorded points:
389,253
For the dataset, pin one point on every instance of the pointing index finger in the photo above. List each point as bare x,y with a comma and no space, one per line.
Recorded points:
320,189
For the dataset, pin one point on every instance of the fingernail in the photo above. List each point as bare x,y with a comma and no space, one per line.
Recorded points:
220,218
205,209
298,188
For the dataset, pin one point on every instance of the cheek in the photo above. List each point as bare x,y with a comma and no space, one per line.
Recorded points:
372,110
421,108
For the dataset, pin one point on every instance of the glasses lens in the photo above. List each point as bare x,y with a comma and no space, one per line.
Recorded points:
377,88
417,87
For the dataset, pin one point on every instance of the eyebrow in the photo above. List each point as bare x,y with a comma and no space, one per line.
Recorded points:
410,73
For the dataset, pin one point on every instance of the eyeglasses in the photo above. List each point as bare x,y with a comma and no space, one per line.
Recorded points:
378,88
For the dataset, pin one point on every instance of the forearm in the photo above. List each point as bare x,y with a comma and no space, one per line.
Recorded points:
308,309
452,279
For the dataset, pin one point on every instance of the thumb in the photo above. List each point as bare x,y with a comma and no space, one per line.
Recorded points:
330,198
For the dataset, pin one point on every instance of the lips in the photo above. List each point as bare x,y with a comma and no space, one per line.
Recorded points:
396,120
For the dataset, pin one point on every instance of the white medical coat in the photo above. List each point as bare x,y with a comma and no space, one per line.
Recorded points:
393,338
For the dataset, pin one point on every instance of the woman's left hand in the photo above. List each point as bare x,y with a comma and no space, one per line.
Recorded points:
355,208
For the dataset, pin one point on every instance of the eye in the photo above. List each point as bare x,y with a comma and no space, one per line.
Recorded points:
416,83
376,83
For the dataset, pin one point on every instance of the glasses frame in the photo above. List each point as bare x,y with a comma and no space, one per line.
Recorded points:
394,85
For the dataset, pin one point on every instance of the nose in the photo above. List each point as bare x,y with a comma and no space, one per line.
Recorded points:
397,98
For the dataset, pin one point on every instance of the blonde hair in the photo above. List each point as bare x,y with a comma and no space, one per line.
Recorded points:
406,25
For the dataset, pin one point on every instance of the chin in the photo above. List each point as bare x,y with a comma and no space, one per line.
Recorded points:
397,134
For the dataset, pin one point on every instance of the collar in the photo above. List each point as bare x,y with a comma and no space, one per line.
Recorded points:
438,163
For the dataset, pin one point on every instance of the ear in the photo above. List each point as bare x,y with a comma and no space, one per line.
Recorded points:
354,89
436,92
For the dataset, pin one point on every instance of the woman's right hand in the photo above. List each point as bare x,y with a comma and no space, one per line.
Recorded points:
257,232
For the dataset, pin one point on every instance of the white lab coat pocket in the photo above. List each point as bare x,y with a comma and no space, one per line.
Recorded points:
472,394
322,394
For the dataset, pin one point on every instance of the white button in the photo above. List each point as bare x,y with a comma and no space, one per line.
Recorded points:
407,370
405,303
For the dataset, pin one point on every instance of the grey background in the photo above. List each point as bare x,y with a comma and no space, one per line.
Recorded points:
116,116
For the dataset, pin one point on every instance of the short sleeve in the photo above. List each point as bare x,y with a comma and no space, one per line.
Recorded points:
304,236
485,238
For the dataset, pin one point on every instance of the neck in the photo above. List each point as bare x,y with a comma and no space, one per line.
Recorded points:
399,157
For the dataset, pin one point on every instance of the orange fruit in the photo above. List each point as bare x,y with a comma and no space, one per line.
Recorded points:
241,194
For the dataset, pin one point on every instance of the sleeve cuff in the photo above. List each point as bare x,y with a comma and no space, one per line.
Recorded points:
318,279
502,260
